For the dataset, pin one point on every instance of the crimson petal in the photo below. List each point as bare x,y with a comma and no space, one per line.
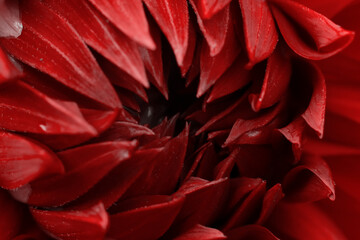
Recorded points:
276,81
129,17
208,8
23,160
37,113
303,221
260,31
10,23
102,36
11,216
214,29
137,219
313,175
213,67
84,166
59,52
9,69
173,19
327,37
271,199
90,223
201,232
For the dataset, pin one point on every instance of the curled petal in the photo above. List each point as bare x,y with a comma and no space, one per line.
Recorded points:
271,199
298,23
260,31
90,223
84,166
23,160
276,81
10,22
315,112
60,52
129,17
310,181
173,19
98,33
137,218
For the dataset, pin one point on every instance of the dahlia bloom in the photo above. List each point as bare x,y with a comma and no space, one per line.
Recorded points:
186,119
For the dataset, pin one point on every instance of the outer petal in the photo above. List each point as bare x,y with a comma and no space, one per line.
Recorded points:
59,52
85,166
310,181
90,223
25,109
98,33
129,17
173,19
10,23
136,221
22,161
259,29
303,221
328,37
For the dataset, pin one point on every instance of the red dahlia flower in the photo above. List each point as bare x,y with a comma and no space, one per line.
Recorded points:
186,119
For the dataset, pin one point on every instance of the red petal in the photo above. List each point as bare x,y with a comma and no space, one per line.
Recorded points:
276,81
329,7
310,181
23,161
190,52
84,166
153,61
9,69
214,29
203,203
201,232
213,67
173,19
163,175
208,8
98,33
60,53
11,216
114,185
129,17
315,112
139,215
260,31
10,23
271,199
37,113
235,78
297,22
247,208
303,221
90,223
250,232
